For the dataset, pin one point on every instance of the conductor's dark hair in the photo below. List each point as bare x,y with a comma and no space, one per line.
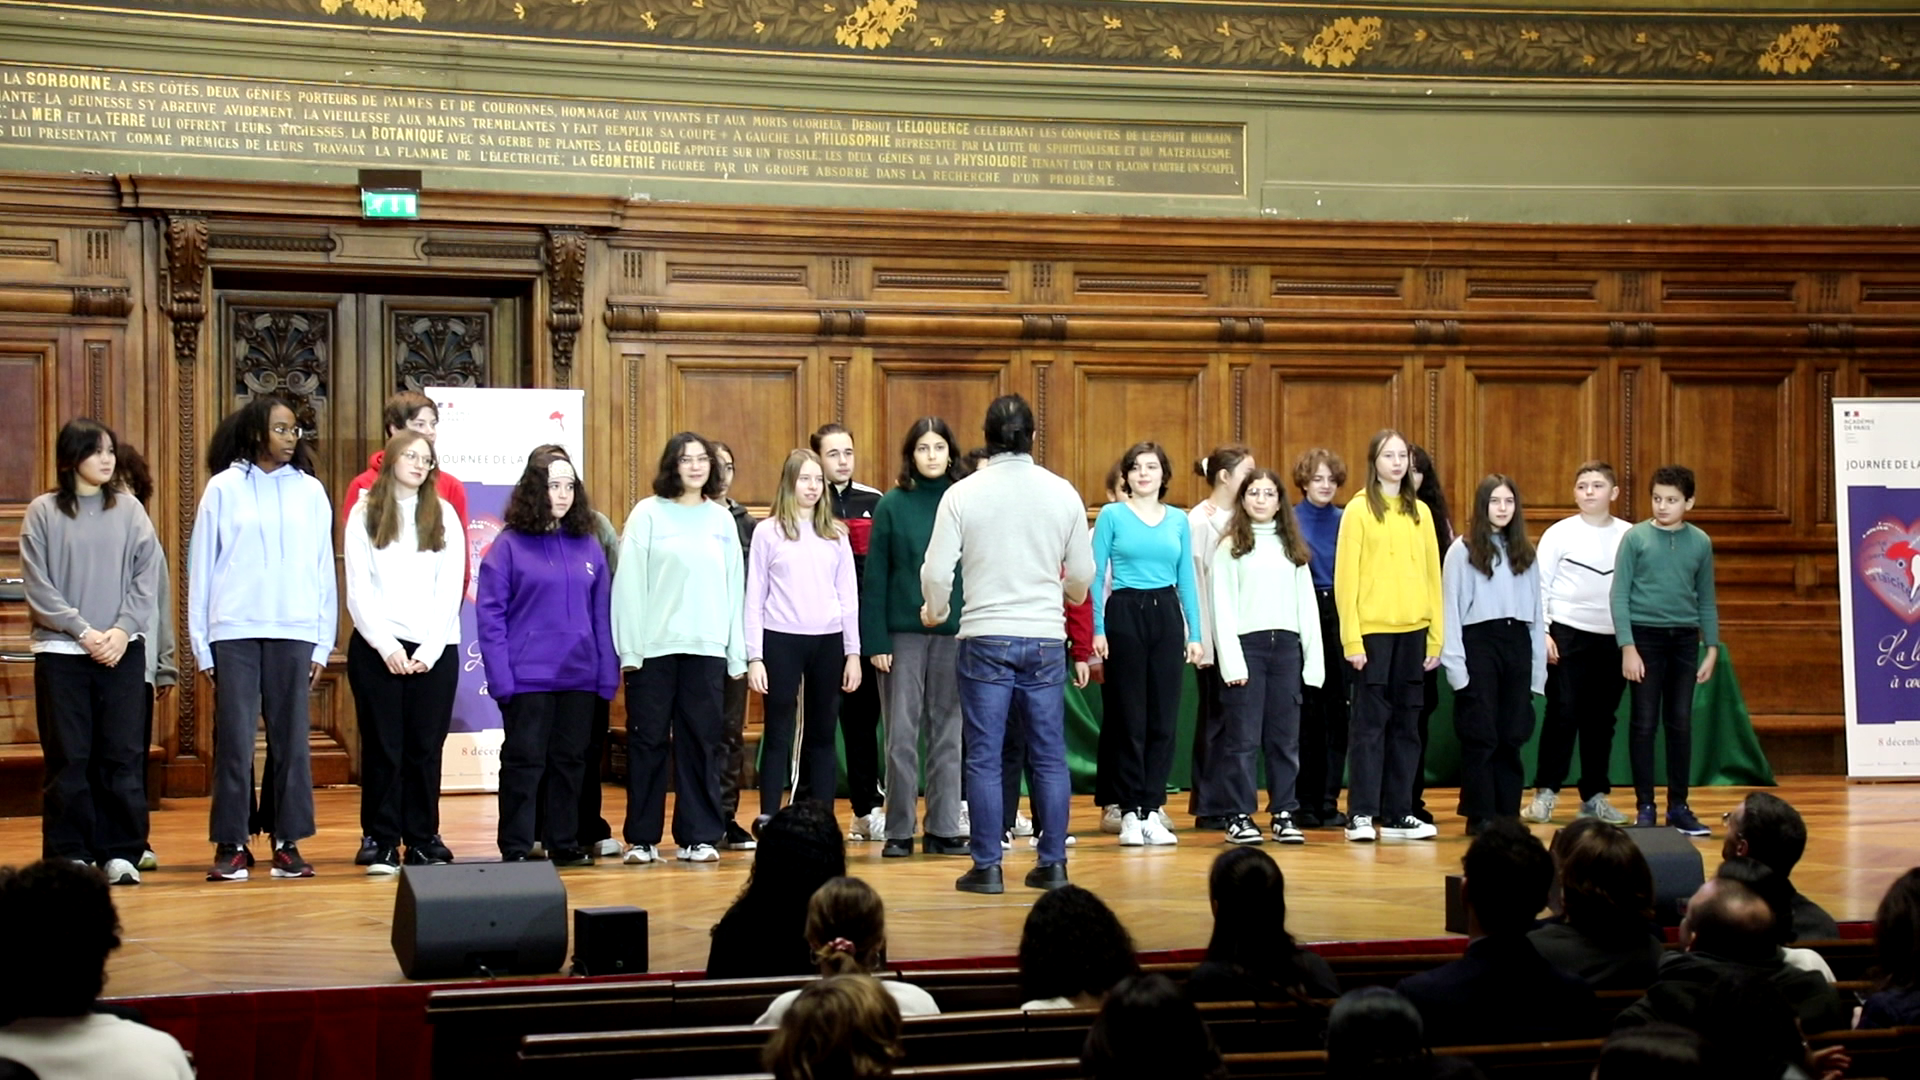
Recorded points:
1073,944
79,439
1008,427
666,482
1148,1030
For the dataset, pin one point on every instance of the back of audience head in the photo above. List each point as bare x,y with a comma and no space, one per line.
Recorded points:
846,927
1605,884
1652,1052
1148,1030
1768,886
1373,1032
1729,920
1750,1028
1249,896
845,1027
800,850
1508,872
1767,828
1896,931
58,969
1073,946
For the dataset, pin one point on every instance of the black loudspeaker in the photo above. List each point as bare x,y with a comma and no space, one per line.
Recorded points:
1677,869
609,941
480,919
1456,905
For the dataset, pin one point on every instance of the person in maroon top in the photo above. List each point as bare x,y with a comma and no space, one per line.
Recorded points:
853,504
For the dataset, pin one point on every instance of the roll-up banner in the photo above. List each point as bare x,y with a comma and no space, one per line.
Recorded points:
1876,466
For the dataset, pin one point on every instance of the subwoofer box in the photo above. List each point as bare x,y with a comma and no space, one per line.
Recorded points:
480,919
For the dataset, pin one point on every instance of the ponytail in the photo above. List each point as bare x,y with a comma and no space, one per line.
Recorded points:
846,927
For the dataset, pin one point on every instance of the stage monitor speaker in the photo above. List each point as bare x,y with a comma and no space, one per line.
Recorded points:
609,941
480,919
1676,865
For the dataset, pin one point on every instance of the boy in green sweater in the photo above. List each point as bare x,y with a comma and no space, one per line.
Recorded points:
1663,614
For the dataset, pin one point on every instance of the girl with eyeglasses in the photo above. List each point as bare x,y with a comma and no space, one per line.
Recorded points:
406,561
262,610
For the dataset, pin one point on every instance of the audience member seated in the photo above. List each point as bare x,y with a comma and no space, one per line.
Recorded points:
1896,939
1767,828
1072,951
1251,957
1774,889
1148,1030
1375,1034
840,1028
1604,932
1728,931
52,970
1652,1052
847,928
1503,990
1751,1030
765,931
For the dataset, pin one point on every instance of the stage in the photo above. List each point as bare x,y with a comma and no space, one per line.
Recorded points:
185,935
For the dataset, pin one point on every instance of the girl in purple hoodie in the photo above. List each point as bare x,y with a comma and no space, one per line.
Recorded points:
546,637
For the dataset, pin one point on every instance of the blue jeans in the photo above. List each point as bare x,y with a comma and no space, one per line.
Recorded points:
1023,678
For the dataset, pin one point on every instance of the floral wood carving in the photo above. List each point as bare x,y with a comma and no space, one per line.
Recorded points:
184,290
566,292
439,349
284,351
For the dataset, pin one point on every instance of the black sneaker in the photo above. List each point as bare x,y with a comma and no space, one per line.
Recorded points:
981,879
571,857
943,845
287,862
429,853
897,849
737,838
369,852
1306,819
386,861
230,862
1333,819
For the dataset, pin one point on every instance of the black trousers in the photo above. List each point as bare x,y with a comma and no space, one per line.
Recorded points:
1383,750
1106,750
1146,648
403,726
1493,716
1323,721
677,697
1672,656
1583,698
1209,797
860,731
255,680
1263,713
796,661
593,826
733,743
546,737
93,741
1429,704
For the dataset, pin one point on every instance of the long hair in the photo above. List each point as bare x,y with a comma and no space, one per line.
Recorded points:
1482,554
1249,896
1896,932
786,505
1606,887
383,506
79,439
846,927
667,483
846,1027
1240,527
1224,459
528,510
242,436
1429,492
131,473
800,850
1376,497
909,472
1073,944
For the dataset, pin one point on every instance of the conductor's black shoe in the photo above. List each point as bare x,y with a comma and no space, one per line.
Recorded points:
1047,877
943,845
897,849
981,879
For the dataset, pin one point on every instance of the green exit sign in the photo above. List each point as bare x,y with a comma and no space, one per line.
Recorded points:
389,204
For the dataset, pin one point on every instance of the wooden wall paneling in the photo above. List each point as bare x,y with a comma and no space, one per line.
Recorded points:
1441,379
1727,292
1134,284
1327,288
1732,424
755,398
756,277
956,386
29,379
1535,422
938,281
1888,378
1313,402
1147,397
1532,289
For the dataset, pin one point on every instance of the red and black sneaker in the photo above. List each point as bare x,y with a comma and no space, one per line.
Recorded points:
288,863
230,863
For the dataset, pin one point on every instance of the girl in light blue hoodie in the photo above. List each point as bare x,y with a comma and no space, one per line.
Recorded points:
261,613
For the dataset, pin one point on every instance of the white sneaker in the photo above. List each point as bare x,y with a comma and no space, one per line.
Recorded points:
699,853
1154,828
871,825
1408,828
1241,830
1360,830
1132,830
1540,810
537,851
966,820
1034,840
1110,819
121,872
641,853
1285,830
148,860
1165,821
1022,824
1600,807
608,847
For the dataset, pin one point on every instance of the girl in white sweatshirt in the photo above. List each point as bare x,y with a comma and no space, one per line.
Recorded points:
406,563
1266,639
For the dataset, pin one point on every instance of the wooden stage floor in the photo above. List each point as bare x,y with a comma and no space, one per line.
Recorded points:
184,935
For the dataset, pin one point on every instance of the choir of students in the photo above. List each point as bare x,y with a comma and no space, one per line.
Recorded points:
842,598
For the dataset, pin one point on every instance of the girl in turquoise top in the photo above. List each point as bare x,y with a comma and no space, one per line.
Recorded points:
1139,632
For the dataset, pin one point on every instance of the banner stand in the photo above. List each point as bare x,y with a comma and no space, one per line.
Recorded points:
1876,469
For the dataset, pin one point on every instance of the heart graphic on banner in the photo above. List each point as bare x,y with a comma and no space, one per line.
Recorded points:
1886,561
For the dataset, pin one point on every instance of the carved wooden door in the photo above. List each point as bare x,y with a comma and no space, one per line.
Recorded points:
337,357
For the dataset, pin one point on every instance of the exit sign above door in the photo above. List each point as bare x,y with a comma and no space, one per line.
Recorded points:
389,204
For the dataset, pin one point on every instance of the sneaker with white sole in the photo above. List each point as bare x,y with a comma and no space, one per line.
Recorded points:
1360,829
639,854
1034,840
871,825
1286,830
608,847
966,820
537,851
1600,807
148,861
121,872
1154,829
1110,819
699,853
1540,810
386,862
1132,830
1006,840
1166,822
1409,828
1022,824
1241,830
